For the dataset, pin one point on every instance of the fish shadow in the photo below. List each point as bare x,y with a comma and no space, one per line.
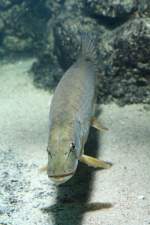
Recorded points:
72,197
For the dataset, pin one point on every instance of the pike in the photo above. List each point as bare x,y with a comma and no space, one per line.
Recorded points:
71,115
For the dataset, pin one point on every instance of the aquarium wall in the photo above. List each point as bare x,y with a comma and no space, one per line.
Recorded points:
50,30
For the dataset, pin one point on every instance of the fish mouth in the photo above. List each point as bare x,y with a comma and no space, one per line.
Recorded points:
62,178
62,175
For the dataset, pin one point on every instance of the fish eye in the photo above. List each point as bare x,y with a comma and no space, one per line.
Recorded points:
72,146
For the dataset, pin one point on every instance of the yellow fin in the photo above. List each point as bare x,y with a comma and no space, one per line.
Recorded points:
96,163
96,124
43,169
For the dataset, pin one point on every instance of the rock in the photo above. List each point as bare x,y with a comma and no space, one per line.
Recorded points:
50,30
15,44
54,6
144,8
4,4
7,4
111,8
24,21
125,56
47,70
61,47
1,24
68,38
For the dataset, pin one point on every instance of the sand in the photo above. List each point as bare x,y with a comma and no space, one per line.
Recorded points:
28,197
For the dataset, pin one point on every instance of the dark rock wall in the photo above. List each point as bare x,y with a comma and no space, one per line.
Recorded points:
50,30
22,25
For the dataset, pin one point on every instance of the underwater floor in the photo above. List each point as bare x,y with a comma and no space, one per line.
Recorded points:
118,196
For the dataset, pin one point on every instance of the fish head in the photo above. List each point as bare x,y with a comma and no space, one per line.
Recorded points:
62,155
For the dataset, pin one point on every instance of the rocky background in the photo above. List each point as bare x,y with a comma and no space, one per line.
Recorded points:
47,29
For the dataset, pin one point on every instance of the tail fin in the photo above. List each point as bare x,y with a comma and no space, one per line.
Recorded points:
88,47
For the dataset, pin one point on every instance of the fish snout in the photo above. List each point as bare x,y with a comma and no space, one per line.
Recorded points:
60,179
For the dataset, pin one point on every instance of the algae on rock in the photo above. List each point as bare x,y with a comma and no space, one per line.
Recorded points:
50,31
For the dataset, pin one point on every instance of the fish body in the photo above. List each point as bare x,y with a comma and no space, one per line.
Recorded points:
70,114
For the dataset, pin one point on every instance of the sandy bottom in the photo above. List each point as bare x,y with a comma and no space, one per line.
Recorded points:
118,196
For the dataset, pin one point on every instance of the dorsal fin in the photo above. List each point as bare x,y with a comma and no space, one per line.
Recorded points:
88,47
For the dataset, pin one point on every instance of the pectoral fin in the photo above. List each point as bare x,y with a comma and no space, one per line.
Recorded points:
96,124
96,163
43,169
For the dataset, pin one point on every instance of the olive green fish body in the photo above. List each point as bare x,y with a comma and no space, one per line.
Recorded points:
70,114
74,95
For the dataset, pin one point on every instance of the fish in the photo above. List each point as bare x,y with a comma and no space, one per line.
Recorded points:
71,115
